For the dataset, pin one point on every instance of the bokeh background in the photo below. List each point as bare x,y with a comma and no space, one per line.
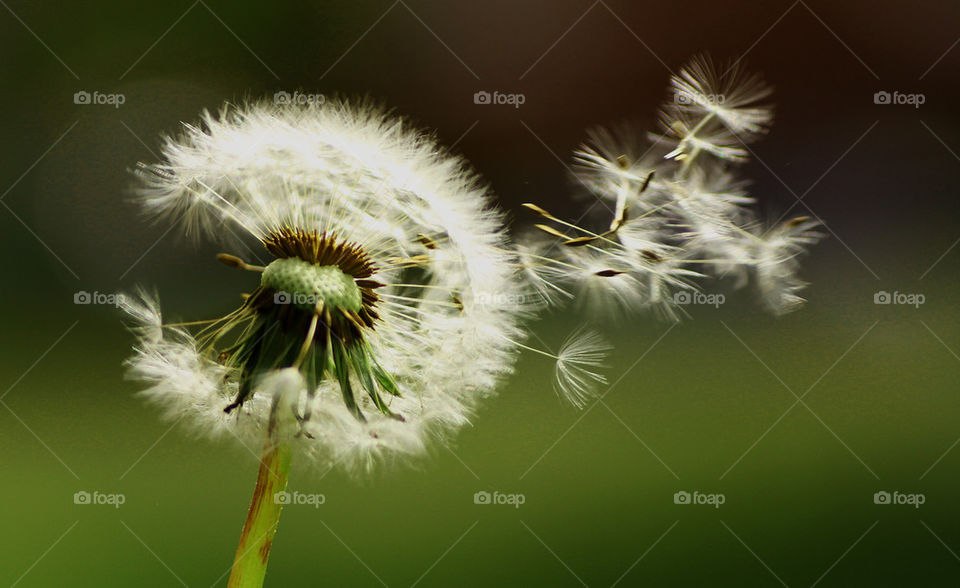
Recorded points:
709,405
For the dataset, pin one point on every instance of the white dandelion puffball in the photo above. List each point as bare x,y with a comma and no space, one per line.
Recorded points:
385,282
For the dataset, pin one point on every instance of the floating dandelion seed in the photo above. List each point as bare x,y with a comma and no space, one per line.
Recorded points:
677,210
732,96
777,253
579,364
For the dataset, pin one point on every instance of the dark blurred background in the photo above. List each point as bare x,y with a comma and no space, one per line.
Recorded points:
707,406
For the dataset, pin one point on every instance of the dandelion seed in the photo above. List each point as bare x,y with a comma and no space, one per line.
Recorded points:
542,275
578,366
694,136
732,96
776,260
714,112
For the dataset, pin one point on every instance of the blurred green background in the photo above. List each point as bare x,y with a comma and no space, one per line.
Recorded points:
704,406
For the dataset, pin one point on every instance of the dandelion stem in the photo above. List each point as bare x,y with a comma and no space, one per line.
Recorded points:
250,563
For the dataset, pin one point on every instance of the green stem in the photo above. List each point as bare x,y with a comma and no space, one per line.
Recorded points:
250,563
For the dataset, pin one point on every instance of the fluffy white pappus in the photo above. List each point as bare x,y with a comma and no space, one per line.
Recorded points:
611,278
709,191
692,136
691,219
544,278
731,95
779,286
610,159
144,310
776,259
603,280
662,281
446,330
716,242
610,169
178,378
645,233
714,112
579,365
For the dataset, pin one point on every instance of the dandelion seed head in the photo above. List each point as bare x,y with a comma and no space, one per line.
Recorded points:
383,292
